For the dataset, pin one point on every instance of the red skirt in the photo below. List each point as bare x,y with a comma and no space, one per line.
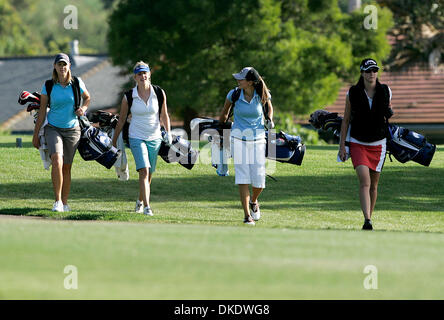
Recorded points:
372,156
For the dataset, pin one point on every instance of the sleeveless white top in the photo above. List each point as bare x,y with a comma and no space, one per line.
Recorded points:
145,124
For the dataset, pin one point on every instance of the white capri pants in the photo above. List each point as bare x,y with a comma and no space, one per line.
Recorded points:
249,161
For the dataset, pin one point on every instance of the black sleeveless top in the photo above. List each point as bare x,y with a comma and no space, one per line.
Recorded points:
368,125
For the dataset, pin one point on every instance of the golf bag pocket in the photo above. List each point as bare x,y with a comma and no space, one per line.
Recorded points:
406,145
219,158
285,148
179,151
97,145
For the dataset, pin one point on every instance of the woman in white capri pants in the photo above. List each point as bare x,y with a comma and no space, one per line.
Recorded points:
248,137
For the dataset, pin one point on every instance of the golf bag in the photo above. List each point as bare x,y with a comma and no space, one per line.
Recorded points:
179,151
214,132
284,148
33,100
324,120
402,143
406,145
96,145
106,120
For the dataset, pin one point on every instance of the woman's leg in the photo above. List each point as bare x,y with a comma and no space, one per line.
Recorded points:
71,139
153,147
66,185
244,192
144,187
363,173
374,177
57,175
150,176
256,193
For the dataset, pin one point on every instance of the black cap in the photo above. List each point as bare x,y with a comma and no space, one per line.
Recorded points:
62,57
368,64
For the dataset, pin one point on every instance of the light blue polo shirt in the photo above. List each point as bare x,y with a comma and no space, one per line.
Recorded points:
248,117
61,112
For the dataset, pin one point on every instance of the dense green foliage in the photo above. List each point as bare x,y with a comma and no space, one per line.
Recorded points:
302,48
37,27
14,35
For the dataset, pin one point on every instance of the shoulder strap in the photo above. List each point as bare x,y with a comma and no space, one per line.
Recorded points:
76,92
129,98
234,97
48,85
159,93
125,129
265,110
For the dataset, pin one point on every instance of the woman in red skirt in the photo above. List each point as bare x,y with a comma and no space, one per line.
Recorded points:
364,127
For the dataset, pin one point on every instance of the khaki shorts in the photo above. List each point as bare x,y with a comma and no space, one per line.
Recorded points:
63,141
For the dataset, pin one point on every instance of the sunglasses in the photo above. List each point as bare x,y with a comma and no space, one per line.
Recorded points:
374,70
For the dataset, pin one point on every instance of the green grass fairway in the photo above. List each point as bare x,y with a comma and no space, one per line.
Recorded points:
308,244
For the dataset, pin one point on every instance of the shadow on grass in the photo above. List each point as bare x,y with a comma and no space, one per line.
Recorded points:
410,188
21,212
13,145
38,212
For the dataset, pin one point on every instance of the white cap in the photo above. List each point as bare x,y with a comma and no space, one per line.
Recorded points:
242,74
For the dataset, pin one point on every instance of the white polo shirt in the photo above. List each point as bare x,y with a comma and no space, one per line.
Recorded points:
145,124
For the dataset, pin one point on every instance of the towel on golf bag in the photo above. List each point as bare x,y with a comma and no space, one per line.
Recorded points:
179,151
96,145
402,143
33,100
121,164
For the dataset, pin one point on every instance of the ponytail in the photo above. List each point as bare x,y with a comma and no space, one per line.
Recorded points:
262,89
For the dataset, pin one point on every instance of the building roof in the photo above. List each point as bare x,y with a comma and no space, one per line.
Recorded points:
102,80
417,96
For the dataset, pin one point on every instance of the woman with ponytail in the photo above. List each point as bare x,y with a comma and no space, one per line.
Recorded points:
253,112
364,126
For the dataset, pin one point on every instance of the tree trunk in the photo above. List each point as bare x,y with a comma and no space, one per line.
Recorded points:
353,5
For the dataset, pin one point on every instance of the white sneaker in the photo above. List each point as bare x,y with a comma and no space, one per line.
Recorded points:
249,221
66,208
254,211
148,211
139,206
58,206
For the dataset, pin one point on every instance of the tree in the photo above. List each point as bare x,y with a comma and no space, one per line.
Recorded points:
301,47
13,33
418,31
